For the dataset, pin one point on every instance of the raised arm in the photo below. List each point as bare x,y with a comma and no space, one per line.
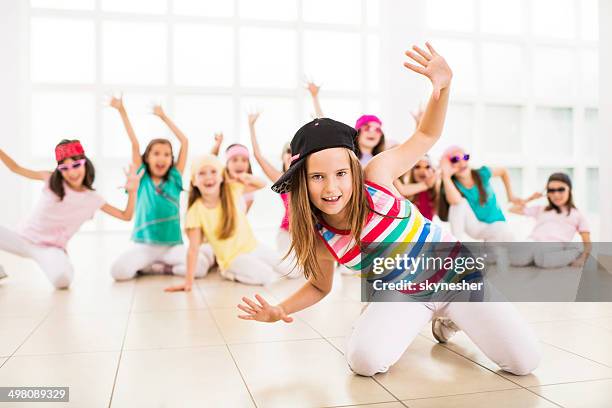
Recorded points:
391,164
131,186
453,196
505,176
519,208
312,292
270,171
217,146
182,157
251,182
117,103
22,171
313,89
195,236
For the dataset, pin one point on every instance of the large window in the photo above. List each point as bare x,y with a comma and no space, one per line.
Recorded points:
525,87
208,62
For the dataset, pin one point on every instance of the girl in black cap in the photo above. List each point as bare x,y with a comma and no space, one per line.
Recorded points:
338,209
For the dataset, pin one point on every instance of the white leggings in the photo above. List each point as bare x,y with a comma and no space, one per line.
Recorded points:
259,267
545,255
385,330
463,221
142,256
54,262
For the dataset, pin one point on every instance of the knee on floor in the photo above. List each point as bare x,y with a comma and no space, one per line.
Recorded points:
363,362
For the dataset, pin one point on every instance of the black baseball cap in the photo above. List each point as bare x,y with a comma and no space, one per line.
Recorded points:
320,134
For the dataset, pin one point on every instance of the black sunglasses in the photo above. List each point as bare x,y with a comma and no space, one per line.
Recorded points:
556,190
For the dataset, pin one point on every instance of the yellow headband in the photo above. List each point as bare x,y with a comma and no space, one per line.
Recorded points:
206,160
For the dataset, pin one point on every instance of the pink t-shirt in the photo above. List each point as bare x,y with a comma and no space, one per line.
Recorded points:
285,222
54,222
556,227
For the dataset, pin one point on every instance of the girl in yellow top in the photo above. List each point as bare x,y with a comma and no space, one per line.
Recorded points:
215,213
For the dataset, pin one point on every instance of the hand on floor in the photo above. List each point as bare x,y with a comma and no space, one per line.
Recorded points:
185,287
262,311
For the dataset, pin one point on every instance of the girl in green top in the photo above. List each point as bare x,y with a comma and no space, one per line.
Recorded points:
474,210
157,232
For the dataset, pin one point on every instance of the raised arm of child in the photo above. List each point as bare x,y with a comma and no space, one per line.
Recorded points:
117,103
22,171
387,166
271,172
182,157
505,176
314,89
217,146
315,289
131,186
195,236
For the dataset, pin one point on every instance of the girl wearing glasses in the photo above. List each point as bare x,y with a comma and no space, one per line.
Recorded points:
467,199
370,139
68,200
558,222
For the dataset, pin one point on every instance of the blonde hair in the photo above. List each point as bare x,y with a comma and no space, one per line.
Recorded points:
304,216
227,224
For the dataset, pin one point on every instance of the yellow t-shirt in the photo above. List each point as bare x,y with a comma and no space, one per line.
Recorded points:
226,250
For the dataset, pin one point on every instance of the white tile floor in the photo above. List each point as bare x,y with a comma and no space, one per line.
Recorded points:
132,345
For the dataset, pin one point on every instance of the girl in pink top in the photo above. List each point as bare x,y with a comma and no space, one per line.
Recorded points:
558,222
68,200
283,238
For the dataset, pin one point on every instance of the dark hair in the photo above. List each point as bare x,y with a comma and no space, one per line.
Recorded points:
443,205
148,151
432,192
565,179
250,170
380,147
56,181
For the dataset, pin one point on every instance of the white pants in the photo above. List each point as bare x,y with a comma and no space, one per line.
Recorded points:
463,221
141,256
545,255
259,267
384,331
283,241
54,262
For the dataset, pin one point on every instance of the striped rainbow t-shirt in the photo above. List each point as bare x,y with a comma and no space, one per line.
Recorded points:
396,226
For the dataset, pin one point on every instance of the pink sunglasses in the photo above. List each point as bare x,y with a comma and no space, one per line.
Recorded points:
74,165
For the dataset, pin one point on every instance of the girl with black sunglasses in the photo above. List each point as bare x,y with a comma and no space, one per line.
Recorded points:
558,222
467,199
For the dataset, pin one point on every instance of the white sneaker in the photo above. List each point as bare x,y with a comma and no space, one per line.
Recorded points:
2,273
443,329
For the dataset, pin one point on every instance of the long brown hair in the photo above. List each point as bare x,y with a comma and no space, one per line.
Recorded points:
227,223
443,205
380,147
304,216
145,156
56,181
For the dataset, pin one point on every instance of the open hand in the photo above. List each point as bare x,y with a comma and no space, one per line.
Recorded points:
253,118
132,178
262,311
432,65
446,167
218,138
116,103
159,111
578,263
313,88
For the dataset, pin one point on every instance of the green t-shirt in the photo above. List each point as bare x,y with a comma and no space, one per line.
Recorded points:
157,219
488,212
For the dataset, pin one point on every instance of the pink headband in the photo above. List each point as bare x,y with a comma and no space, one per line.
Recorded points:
64,151
365,119
237,150
451,149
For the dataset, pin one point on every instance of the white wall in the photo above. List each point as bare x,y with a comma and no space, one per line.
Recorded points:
605,115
